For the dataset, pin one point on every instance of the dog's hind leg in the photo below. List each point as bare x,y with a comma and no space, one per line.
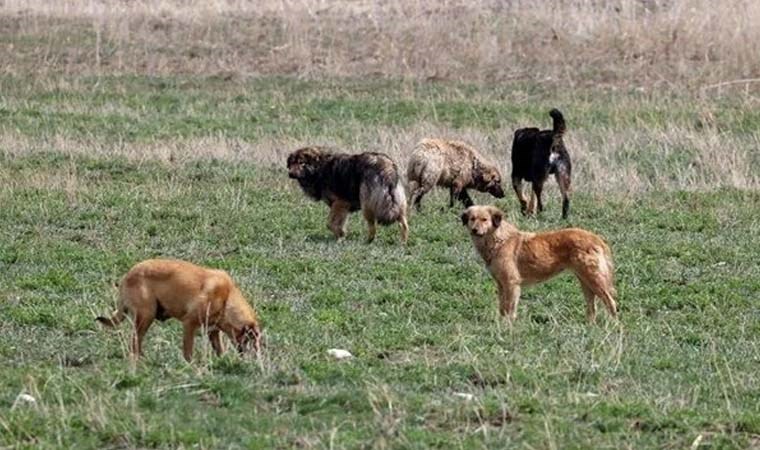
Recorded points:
588,293
142,323
563,181
417,195
598,284
404,225
414,197
425,182
369,216
609,302
532,204
517,186
538,187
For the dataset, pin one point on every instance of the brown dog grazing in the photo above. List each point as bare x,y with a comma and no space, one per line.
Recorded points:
517,258
196,296
452,164
347,183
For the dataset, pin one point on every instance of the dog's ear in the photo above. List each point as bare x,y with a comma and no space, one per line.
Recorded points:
465,218
496,217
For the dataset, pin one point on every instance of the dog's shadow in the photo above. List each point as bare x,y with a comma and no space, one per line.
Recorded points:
317,238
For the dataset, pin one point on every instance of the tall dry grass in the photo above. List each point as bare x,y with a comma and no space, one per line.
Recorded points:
605,160
670,43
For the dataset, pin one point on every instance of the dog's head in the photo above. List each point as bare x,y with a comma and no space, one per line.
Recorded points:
482,220
304,162
488,179
248,339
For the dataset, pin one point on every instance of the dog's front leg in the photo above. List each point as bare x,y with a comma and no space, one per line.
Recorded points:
336,220
504,305
216,342
511,296
459,191
464,197
188,340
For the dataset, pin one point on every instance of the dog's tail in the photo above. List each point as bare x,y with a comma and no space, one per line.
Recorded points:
113,321
384,195
392,206
607,268
559,126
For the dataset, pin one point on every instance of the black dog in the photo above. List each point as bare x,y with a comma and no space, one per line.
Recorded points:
535,155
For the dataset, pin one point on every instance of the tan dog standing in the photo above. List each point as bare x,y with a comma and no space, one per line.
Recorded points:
196,296
517,258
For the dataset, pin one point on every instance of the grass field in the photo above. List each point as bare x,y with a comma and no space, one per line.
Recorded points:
96,174
140,129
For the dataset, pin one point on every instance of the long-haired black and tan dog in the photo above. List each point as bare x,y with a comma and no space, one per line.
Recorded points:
451,164
159,289
348,183
516,258
536,154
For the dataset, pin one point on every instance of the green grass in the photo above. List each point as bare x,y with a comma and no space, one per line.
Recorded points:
138,109
421,320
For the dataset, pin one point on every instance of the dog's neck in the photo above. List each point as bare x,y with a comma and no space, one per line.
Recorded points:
237,312
489,245
312,186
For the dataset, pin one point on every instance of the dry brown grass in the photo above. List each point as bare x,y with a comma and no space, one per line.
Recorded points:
690,43
655,45
605,160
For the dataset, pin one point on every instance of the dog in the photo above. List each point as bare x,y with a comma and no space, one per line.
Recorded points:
451,164
517,258
536,154
160,289
348,183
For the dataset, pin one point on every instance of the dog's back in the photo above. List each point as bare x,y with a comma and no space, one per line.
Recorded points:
173,285
441,156
345,174
532,149
523,148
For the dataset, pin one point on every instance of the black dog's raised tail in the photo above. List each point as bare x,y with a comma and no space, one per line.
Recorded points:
559,122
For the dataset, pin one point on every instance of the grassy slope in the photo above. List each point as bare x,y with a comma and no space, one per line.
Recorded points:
421,320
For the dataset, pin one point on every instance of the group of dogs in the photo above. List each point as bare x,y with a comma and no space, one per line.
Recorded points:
159,289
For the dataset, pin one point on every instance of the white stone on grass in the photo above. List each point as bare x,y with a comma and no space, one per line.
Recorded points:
339,353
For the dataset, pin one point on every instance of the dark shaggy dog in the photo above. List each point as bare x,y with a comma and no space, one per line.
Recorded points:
535,155
348,183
